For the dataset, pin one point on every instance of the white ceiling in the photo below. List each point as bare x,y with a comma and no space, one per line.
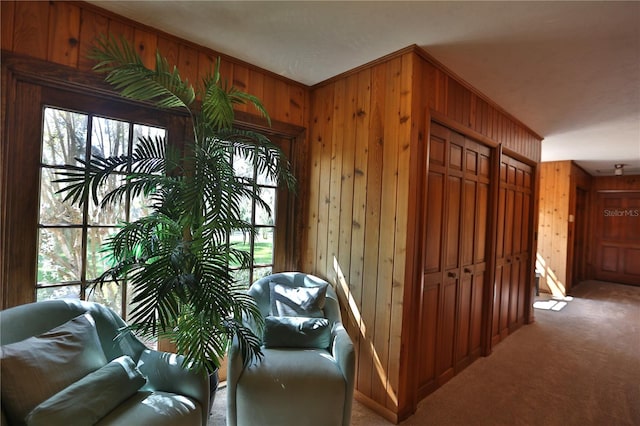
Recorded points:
569,70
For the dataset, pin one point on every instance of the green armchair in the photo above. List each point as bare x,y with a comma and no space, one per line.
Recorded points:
149,387
307,374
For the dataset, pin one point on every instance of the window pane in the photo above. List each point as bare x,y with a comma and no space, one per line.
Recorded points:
64,292
109,294
97,261
140,130
264,179
64,136
52,210
242,276
112,213
109,137
59,255
263,247
263,217
261,272
242,167
240,241
140,207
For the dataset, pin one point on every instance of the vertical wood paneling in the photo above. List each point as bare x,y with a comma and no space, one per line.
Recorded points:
315,155
555,178
387,221
241,81
7,9
119,29
335,178
170,49
403,145
64,33
146,44
347,198
359,224
369,369
324,197
188,63
31,29
92,25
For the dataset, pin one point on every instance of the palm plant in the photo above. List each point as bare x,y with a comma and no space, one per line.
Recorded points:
176,258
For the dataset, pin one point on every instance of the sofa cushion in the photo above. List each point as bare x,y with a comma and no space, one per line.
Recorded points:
157,409
297,301
296,332
38,367
309,382
90,398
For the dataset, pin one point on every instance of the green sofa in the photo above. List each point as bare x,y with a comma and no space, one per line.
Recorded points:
307,374
81,370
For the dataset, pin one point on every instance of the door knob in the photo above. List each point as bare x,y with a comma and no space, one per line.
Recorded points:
451,274
467,270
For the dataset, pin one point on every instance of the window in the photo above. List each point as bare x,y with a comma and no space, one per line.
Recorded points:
70,238
259,243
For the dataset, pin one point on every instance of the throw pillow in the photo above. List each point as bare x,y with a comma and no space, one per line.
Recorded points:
36,368
90,398
297,301
296,332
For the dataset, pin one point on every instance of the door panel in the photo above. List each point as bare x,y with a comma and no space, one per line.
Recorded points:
617,239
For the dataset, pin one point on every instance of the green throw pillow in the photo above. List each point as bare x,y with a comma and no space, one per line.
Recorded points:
90,398
36,368
297,301
296,332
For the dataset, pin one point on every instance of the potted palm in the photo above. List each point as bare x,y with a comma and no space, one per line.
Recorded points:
176,258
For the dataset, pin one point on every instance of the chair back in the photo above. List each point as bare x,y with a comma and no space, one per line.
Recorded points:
260,290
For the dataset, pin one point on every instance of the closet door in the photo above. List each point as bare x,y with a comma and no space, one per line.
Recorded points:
512,251
455,218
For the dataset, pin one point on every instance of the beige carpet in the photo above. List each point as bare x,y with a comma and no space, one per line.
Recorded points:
576,365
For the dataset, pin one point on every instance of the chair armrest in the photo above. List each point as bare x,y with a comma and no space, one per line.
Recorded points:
234,371
345,357
164,372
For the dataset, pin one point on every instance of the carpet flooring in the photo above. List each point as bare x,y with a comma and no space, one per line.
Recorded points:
578,364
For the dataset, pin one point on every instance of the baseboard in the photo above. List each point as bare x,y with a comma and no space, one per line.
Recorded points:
375,406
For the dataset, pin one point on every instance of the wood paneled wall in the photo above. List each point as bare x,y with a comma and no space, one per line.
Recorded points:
451,98
553,226
360,149
572,245
367,135
61,32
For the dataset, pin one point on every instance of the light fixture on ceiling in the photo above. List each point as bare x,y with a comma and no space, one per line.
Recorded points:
619,169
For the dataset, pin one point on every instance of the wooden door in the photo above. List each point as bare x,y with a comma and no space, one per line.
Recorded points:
617,237
455,241
512,247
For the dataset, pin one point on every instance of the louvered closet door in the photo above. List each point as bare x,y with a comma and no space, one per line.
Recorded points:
512,251
455,218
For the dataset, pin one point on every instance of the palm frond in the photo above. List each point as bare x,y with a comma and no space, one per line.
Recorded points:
127,73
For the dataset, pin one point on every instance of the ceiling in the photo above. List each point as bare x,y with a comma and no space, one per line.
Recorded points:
568,70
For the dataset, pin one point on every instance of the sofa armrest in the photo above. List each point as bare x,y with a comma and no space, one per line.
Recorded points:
165,372
345,357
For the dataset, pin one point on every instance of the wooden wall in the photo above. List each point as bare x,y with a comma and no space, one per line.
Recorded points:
578,240
553,226
61,32
367,134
